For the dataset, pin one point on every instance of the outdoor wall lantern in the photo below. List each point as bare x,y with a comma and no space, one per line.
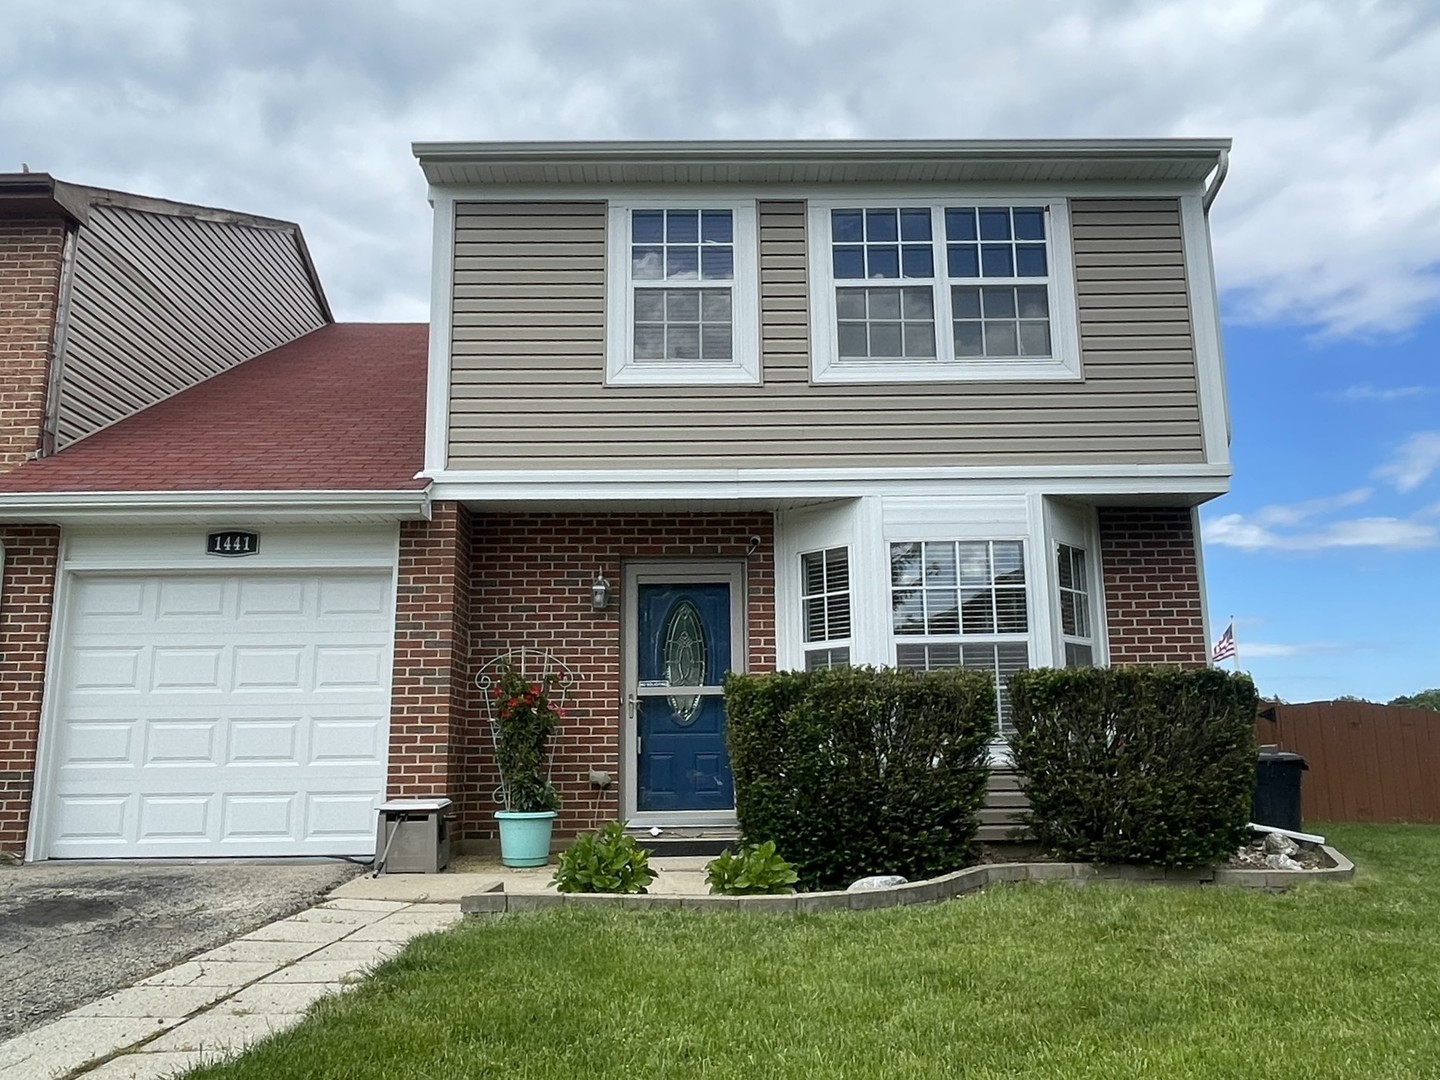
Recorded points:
600,593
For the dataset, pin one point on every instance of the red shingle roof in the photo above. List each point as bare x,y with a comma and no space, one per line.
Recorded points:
342,408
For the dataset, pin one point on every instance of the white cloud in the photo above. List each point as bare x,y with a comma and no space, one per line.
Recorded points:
1330,217
1417,458
1297,513
1236,531
1307,648
1392,393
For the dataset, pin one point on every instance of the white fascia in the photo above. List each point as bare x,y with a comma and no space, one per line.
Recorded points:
88,507
1205,324
442,292
800,191
1200,481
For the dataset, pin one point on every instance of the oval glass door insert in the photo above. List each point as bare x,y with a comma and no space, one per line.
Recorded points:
684,651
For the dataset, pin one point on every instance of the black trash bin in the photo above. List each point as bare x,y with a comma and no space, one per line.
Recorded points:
1277,790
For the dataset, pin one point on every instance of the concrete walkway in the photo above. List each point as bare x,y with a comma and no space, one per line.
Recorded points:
213,1006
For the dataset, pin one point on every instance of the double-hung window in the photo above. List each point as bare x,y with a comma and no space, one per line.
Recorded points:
962,604
942,289
682,294
1072,581
825,603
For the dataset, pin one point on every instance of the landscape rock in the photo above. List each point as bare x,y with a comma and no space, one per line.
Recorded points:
879,881
1281,862
1280,844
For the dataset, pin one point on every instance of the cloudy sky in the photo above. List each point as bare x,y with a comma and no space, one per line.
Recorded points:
1327,232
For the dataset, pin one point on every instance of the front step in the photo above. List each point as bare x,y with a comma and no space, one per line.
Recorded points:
681,842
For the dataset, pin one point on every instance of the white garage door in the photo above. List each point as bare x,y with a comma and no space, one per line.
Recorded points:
220,714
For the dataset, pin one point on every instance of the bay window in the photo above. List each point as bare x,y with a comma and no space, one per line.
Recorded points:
825,600
961,603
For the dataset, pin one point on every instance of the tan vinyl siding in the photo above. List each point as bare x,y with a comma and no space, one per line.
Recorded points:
528,364
160,302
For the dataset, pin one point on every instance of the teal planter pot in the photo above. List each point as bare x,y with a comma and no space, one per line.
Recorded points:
525,837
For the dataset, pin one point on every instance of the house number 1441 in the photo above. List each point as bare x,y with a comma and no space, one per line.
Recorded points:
232,543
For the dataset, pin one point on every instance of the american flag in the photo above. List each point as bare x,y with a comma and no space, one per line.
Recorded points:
1225,647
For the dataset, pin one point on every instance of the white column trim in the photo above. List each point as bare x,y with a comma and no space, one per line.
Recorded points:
442,291
1205,327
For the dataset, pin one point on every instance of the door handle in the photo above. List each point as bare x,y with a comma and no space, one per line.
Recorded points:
630,706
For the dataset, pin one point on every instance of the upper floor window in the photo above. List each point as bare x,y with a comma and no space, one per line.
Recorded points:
682,295
935,290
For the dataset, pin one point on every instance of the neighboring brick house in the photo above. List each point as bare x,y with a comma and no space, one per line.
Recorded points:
788,404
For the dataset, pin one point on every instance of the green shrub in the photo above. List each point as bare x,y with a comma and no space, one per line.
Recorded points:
755,870
605,862
1136,764
858,771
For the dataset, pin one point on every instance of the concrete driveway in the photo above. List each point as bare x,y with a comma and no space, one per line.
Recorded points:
71,932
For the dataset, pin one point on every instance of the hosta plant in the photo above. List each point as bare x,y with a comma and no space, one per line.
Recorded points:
755,870
605,862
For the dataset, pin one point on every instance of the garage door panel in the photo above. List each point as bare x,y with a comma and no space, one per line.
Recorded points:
271,598
347,740
113,599
105,669
176,818
341,667
345,597
102,820
272,741
269,667
186,667
181,743
225,715
258,815
340,815
199,597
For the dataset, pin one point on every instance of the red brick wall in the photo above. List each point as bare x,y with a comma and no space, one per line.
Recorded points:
30,256
25,610
430,697
532,578
1152,586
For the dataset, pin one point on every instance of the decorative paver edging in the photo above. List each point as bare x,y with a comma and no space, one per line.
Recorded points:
972,879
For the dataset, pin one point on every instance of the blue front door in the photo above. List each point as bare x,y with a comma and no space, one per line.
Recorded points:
683,650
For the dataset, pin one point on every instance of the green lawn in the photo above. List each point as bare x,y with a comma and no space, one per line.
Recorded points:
1025,981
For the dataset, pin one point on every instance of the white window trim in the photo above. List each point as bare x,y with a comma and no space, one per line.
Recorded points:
826,365
744,367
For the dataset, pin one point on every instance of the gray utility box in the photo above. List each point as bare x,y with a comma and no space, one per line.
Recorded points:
413,837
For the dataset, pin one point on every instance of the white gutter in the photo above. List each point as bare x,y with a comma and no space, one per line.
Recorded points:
88,507
819,149
1212,189
1189,160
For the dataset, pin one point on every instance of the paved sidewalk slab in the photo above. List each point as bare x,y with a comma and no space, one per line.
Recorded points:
158,1066
155,1000
220,1002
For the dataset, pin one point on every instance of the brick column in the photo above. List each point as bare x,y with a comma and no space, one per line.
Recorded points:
25,613
431,698
1152,586
30,260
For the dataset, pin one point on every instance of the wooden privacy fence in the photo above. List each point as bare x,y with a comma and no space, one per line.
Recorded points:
1367,762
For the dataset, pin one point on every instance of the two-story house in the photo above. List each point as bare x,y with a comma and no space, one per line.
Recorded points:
689,408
